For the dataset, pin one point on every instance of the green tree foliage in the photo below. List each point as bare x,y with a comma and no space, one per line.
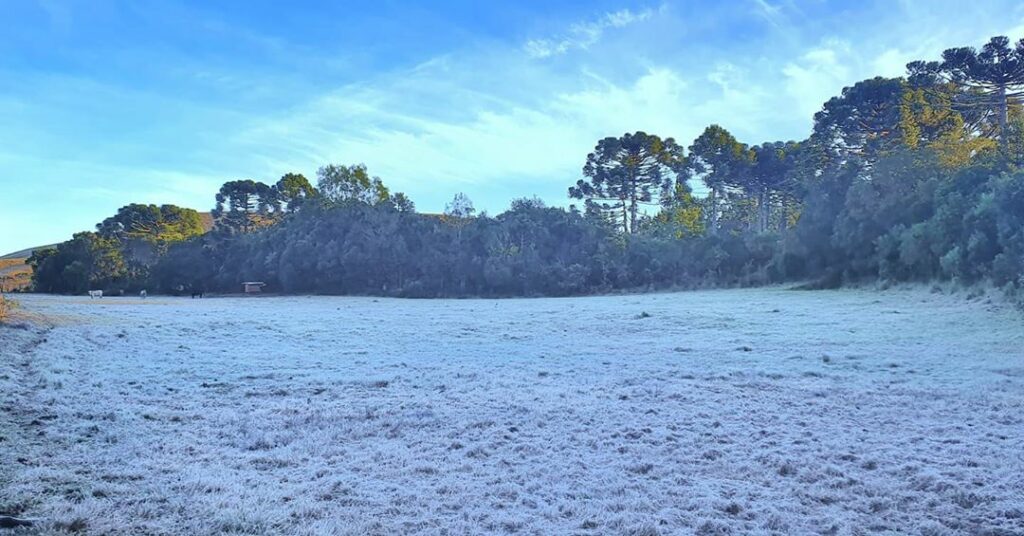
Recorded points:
860,125
88,261
772,180
293,190
624,173
402,203
188,266
995,74
681,215
151,223
1012,148
120,255
527,250
929,119
721,163
244,206
896,192
143,232
458,213
460,207
340,185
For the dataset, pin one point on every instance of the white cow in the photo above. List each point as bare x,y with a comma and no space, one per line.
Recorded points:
143,294
95,294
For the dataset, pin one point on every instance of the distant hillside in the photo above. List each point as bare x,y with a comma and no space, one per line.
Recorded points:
15,274
25,253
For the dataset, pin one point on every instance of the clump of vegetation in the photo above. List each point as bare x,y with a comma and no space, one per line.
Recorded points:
7,306
15,275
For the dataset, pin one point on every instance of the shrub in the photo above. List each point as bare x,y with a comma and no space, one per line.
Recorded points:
7,305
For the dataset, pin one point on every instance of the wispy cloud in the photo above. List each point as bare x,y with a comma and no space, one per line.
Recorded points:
582,35
170,121
770,12
818,74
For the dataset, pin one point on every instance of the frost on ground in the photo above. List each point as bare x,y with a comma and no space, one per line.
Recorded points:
719,412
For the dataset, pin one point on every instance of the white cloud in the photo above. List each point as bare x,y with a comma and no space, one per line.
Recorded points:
770,12
893,61
582,35
482,143
819,74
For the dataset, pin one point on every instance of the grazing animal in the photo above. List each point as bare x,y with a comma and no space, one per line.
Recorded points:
143,294
196,293
95,294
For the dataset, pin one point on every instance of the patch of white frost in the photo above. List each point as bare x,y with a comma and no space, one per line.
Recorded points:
722,412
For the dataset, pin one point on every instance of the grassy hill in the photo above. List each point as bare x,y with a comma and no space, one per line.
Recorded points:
15,273
25,253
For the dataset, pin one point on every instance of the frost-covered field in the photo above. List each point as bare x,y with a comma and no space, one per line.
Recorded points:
722,412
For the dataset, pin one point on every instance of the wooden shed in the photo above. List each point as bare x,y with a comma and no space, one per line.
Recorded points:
253,287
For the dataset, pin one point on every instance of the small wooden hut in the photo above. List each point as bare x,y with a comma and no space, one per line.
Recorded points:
253,287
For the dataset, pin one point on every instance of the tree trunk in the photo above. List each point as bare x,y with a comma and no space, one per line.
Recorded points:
782,215
632,215
714,209
762,211
1003,113
632,200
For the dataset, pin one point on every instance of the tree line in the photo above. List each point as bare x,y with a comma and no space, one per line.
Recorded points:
911,178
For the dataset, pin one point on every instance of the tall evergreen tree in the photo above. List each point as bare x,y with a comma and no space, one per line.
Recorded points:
930,118
460,207
861,124
402,203
624,173
144,232
243,205
294,189
721,162
771,177
995,73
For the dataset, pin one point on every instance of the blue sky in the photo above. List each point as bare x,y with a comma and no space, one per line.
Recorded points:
104,103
